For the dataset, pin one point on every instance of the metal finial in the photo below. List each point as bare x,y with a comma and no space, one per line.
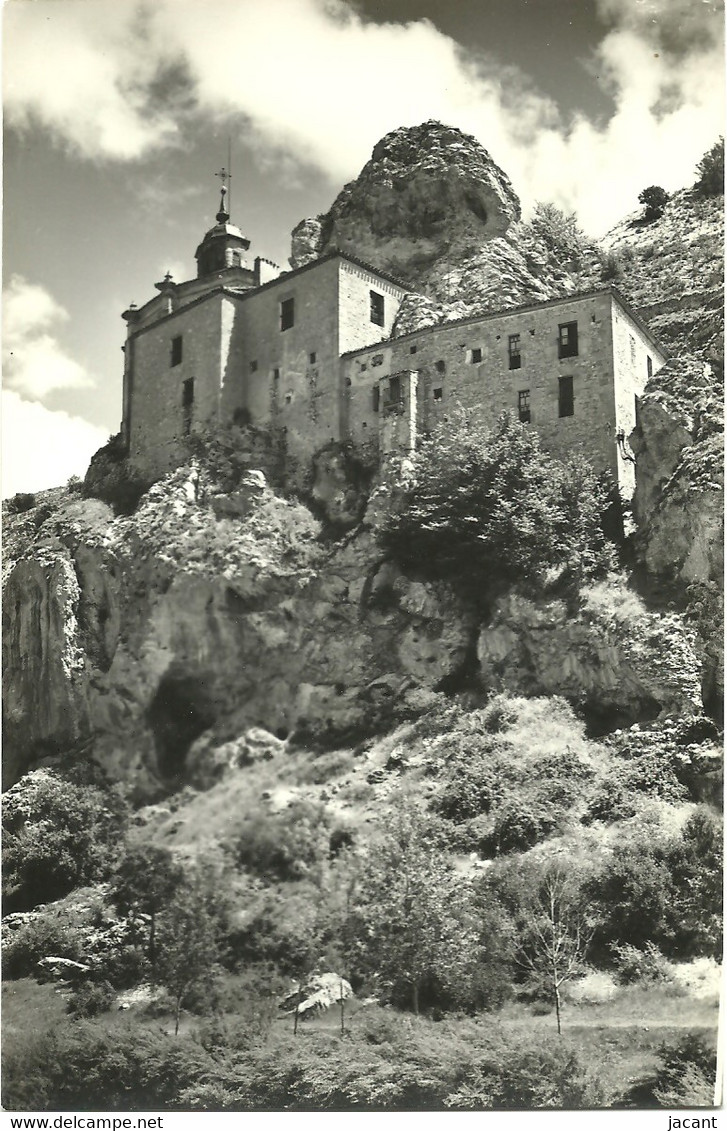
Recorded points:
223,215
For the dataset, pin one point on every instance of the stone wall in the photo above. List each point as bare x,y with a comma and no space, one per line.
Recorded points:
467,363
157,415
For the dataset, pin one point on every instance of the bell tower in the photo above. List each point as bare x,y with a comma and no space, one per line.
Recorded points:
224,245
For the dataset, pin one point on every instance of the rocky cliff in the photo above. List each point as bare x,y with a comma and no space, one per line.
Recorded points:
434,209
156,641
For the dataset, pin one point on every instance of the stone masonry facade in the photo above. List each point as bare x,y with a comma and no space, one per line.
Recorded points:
308,355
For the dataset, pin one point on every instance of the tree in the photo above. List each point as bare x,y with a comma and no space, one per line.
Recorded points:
412,926
559,230
710,180
187,949
555,933
145,881
486,508
655,199
57,835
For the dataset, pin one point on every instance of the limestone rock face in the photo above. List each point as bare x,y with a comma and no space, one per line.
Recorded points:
617,662
424,188
44,679
168,634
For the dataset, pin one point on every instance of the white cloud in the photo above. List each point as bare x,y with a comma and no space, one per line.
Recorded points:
34,361
317,83
41,448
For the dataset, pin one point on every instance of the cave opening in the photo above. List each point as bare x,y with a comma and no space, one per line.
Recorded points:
180,711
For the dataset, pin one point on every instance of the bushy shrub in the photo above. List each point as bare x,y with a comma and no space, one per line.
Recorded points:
487,508
87,1067
559,231
91,998
687,1074
43,937
23,501
667,892
286,845
710,170
617,794
640,965
654,199
57,835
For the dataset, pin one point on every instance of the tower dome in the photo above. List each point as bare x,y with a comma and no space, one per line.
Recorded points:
223,246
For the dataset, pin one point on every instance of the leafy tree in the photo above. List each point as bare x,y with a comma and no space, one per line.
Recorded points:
710,170
188,949
57,835
559,230
487,508
554,932
695,860
655,199
412,927
145,880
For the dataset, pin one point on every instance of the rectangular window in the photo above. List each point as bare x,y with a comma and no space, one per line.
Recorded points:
523,406
312,358
565,396
377,308
187,405
287,313
437,393
568,339
377,359
253,367
176,350
477,355
439,366
276,374
632,346
649,368
513,351
412,349
376,397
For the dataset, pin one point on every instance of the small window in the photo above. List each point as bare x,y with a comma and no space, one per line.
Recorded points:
377,359
568,339
177,350
649,368
312,358
377,308
523,406
187,405
288,398
477,355
287,313
412,349
276,375
565,396
439,366
437,394
376,391
363,366
253,367
632,346
513,351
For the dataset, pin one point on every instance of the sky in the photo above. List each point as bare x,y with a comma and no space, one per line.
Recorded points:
118,113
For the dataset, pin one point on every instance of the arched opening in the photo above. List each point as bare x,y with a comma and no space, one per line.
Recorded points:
180,711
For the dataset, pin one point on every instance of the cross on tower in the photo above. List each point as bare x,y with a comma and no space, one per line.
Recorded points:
224,212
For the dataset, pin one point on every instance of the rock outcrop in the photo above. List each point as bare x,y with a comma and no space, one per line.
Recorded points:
189,618
433,208
614,660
